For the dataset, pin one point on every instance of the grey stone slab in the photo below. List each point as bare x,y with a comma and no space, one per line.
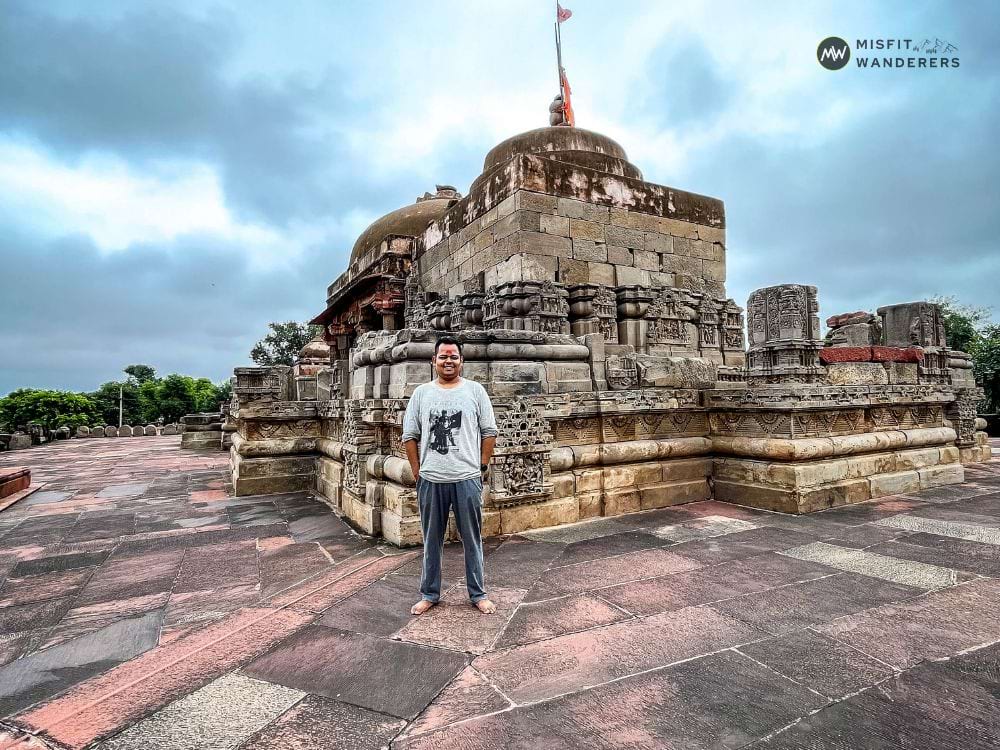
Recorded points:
518,563
380,609
862,537
967,531
874,565
218,716
45,673
704,527
719,701
981,559
578,532
606,546
259,514
788,608
820,662
319,722
124,490
102,526
373,673
44,497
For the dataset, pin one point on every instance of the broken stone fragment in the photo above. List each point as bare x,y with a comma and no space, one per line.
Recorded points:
675,372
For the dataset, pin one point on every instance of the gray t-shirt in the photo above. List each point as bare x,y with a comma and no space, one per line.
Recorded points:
449,424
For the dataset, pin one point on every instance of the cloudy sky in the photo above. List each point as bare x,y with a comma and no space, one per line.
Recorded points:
175,175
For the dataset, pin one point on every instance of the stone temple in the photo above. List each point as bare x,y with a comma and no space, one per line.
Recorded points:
592,306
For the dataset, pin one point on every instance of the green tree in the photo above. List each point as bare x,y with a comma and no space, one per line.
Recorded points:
106,398
177,397
961,322
141,373
51,409
280,346
985,351
149,400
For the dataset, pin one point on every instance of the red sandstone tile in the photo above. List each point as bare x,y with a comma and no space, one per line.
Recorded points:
934,626
468,695
562,665
455,624
608,571
833,354
570,614
347,578
897,354
207,496
99,707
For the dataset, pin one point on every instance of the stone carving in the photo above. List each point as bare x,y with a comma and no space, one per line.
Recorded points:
262,383
467,312
622,372
415,306
784,335
439,314
593,308
521,460
527,306
962,412
853,329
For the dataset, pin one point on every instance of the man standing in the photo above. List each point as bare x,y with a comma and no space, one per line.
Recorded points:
449,432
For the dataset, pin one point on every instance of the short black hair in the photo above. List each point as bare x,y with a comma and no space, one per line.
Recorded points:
446,339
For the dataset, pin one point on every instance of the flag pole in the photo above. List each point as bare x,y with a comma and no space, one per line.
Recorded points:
558,56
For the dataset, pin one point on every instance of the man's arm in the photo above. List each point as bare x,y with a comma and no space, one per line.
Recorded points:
413,456
489,443
411,434
487,427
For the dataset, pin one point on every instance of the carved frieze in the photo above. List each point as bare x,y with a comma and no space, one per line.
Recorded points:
527,306
521,460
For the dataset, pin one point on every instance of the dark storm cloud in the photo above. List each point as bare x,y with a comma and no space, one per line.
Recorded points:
73,317
153,85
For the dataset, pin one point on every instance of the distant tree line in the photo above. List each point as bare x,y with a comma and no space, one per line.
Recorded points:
145,398
970,330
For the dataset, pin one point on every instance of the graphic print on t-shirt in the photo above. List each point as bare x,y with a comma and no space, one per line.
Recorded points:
444,425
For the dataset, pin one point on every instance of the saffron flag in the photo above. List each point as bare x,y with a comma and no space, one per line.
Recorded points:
567,104
562,14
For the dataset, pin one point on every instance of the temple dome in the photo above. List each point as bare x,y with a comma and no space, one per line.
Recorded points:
584,148
408,221
315,348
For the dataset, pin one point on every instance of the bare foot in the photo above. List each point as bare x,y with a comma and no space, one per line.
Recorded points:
486,606
422,606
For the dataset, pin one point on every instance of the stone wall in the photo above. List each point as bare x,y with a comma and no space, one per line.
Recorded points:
535,237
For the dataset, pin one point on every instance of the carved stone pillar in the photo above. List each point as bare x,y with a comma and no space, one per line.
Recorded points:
467,312
527,306
784,335
633,303
919,324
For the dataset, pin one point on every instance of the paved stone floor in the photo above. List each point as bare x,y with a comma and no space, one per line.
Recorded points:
143,607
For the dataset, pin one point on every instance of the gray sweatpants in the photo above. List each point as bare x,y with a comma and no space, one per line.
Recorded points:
436,500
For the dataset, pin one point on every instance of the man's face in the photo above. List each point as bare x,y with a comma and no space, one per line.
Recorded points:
447,362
